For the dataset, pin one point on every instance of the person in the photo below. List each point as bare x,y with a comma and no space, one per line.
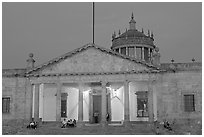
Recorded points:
64,123
107,117
167,125
32,125
74,122
70,123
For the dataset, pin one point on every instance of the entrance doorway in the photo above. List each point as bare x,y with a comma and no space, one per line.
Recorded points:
96,108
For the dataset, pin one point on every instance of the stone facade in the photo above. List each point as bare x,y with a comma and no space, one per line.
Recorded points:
114,78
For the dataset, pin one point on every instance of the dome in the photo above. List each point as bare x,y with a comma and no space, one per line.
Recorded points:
132,33
132,37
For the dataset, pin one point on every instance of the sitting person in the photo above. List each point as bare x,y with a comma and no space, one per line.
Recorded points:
74,122
167,125
32,125
70,123
64,123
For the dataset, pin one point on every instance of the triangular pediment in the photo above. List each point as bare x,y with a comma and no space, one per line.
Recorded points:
93,59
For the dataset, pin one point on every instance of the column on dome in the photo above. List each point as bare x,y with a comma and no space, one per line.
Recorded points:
135,51
143,53
149,56
126,50
119,50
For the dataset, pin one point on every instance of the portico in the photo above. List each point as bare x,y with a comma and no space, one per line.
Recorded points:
117,89
90,100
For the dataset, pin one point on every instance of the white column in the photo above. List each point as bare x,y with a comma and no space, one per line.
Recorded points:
150,102
135,52
119,51
103,107
58,101
143,53
36,102
149,55
127,51
126,102
80,107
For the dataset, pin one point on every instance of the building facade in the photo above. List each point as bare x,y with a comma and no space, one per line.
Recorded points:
92,84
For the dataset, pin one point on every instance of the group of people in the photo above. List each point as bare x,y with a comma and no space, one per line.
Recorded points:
167,125
32,125
69,123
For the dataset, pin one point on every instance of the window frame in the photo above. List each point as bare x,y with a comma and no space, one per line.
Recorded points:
146,93
187,103
8,106
183,102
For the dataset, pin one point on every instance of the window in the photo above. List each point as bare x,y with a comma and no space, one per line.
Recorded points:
189,103
5,104
123,51
146,54
142,104
117,50
139,53
64,105
131,51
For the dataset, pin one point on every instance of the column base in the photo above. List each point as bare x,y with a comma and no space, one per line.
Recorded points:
80,124
104,123
126,123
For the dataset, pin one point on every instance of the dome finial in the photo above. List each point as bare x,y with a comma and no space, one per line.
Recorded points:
132,23
142,30
148,33
152,35
132,17
119,32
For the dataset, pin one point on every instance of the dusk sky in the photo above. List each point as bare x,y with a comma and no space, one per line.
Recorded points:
49,30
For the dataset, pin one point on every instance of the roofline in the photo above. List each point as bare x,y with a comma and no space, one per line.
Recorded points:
69,54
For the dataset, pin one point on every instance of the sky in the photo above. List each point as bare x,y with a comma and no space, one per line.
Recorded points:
49,30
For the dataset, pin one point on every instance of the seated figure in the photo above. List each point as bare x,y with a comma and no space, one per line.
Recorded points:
64,123
32,125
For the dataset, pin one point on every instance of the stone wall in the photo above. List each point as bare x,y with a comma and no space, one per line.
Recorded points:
16,89
170,89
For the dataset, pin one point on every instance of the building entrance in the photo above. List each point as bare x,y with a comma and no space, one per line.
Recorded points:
96,108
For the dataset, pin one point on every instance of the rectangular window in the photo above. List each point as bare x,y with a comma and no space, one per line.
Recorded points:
131,51
123,51
189,103
64,105
117,50
139,53
146,54
142,104
5,104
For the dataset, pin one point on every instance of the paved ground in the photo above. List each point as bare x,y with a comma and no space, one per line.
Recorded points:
133,129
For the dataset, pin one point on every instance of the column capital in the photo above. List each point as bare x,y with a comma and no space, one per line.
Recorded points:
127,81
104,83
